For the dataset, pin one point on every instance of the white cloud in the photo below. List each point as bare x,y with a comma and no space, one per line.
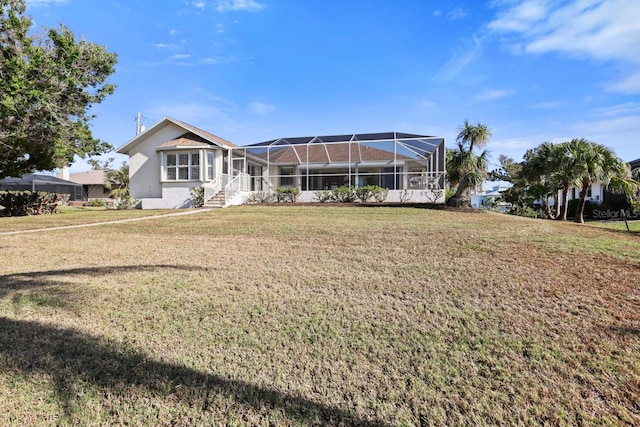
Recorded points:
164,46
618,110
180,56
459,61
589,29
239,5
548,105
628,85
489,95
437,12
608,127
261,109
220,28
173,32
457,13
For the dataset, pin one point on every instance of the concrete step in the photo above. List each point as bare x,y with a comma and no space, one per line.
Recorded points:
216,201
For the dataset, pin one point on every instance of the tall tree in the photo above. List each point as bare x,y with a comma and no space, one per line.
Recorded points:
597,163
48,83
538,171
465,169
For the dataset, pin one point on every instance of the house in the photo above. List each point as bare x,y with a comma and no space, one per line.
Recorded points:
601,195
93,183
46,183
488,199
171,157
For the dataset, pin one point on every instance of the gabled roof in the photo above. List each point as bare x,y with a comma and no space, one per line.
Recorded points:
205,136
188,139
92,177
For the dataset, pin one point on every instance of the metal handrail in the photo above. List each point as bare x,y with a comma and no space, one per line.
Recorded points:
239,183
215,186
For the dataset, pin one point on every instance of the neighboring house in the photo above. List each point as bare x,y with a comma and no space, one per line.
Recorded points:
487,199
93,183
47,183
599,194
171,157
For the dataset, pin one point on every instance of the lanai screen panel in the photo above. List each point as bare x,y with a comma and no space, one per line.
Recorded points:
388,159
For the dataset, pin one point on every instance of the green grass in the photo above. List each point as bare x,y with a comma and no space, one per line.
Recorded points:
73,216
320,316
634,226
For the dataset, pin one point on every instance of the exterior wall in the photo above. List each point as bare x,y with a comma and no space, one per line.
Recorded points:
95,191
597,194
145,163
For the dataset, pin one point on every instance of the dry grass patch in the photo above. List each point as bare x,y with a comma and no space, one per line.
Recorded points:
339,316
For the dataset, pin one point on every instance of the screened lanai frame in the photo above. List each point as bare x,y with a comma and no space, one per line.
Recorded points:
393,160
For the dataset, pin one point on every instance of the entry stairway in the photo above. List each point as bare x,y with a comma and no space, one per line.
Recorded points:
216,201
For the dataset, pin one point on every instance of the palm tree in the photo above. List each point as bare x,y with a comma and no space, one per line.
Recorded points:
562,165
538,171
464,168
118,181
596,163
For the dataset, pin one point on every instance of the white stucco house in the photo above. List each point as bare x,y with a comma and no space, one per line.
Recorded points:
171,157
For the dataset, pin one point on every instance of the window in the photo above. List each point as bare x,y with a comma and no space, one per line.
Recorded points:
182,166
286,178
210,164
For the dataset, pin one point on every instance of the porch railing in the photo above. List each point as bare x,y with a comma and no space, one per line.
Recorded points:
240,182
214,187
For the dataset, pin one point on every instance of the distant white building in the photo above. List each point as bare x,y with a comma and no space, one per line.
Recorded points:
487,198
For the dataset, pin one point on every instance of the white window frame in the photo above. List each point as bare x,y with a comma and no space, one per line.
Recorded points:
193,169
210,165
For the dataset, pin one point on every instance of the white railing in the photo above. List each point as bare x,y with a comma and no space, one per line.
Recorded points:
240,182
214,187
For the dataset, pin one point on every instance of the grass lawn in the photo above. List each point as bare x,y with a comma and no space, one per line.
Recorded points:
73,216
319,316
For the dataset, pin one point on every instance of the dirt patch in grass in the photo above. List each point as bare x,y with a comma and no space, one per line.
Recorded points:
321,315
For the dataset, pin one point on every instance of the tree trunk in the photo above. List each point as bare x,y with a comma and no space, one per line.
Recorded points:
580,211
460,199
565,202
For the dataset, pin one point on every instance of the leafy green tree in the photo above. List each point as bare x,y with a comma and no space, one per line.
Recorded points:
97,165
48,83
465,169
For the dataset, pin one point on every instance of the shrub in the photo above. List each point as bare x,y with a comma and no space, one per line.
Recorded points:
525,211
449,193
345,194
21,203
368,192
262,197
324,196
405,195
197,196
287,194
96,203
125,202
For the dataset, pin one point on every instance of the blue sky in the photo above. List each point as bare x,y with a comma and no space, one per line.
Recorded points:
253,70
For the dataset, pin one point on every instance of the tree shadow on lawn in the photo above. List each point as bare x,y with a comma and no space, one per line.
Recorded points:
71,358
